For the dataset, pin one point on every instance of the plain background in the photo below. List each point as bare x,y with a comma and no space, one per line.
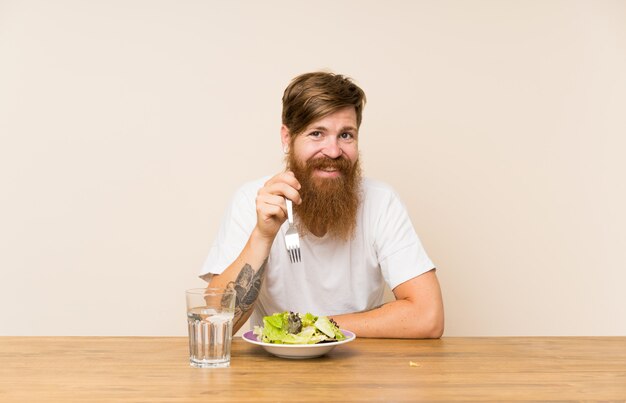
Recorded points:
126,126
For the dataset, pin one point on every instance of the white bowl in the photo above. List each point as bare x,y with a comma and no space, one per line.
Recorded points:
298,351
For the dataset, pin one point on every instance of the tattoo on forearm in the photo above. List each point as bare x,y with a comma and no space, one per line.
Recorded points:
247,286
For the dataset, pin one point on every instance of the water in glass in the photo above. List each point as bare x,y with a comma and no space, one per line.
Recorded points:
210,334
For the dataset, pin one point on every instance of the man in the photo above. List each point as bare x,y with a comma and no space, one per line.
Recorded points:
355,234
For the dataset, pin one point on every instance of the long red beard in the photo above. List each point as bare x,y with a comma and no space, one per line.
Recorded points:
329,205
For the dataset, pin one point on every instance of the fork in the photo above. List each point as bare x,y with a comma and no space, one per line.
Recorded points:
292,239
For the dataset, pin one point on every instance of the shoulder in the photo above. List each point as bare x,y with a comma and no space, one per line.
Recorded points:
244,197
249,189
380,199
374,190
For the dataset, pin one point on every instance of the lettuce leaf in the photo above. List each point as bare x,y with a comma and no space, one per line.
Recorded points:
314,329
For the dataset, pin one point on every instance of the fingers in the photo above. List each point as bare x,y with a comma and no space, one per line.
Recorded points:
270,202
283,184
271,205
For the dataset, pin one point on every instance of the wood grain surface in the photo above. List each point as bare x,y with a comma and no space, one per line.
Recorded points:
156,369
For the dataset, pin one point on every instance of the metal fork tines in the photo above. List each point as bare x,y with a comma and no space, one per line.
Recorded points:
292,239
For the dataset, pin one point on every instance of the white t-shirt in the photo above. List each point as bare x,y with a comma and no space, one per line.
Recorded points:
333,277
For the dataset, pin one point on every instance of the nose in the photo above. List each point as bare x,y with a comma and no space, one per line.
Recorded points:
331,148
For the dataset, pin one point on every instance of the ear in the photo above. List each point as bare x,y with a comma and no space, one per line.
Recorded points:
285,137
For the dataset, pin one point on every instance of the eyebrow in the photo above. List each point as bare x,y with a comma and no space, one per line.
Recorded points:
343,129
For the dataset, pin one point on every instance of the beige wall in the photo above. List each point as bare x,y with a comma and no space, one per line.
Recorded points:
125,126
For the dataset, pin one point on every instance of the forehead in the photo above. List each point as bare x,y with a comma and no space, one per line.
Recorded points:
342,119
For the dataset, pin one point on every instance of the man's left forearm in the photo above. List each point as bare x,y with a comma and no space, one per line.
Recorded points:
396,319
416,313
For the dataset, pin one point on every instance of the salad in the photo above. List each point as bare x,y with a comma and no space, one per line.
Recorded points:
297,328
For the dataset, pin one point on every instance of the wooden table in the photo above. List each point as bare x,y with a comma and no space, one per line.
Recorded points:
156,369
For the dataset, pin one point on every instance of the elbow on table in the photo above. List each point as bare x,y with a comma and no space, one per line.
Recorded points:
436,331
433,327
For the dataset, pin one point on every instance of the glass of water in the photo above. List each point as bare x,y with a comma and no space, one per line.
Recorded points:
210,313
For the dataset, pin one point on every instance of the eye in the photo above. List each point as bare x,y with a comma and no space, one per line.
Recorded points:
346,136
316,134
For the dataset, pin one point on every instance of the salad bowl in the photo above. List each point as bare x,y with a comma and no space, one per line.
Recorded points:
298,351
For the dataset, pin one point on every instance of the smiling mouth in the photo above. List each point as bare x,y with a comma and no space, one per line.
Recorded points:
329,168
328,172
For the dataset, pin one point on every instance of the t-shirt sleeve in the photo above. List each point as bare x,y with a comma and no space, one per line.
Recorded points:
400,251
235,229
